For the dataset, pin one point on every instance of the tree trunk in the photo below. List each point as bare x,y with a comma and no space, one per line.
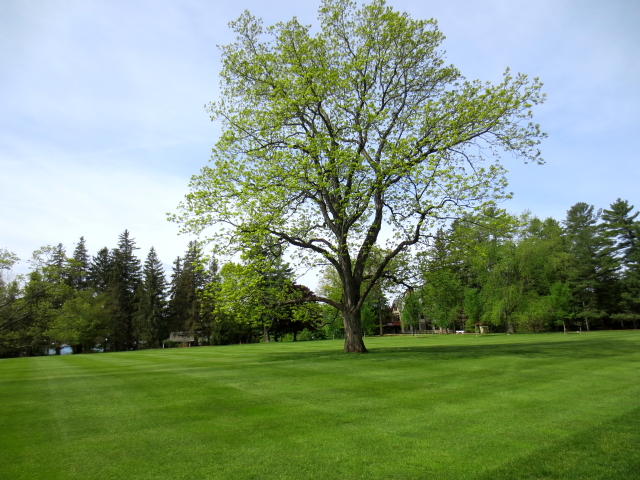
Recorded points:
353,342
586,319
564,325
266,334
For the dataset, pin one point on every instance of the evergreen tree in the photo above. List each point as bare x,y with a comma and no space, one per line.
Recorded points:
621,226
151,303
57,266
100,270
623,230
189,279
123,283
175,300
78,268
586,269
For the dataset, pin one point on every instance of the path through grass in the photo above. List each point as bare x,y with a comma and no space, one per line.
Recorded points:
444,407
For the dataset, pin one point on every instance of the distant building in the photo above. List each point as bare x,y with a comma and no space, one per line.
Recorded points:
184,339
396,313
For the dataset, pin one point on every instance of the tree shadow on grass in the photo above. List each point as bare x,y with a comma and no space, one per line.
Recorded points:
588,348
608,451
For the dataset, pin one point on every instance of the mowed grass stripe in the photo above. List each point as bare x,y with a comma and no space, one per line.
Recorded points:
434,407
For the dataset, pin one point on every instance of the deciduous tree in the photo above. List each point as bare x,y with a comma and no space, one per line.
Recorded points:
331,137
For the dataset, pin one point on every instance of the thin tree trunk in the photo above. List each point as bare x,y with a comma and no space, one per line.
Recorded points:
586,319
265,332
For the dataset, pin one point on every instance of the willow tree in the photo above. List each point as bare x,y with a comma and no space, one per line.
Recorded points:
336,138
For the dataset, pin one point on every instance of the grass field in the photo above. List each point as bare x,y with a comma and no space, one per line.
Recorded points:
546,406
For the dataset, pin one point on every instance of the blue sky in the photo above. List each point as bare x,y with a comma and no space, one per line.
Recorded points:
103,122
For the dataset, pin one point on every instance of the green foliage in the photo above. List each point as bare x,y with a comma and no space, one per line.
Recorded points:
7,259
12,313
260,292
100,270
622,230
149,321
590,266
329,136
123,283
473,308
78,266
496,269
443,298
82,320
411,309
560,303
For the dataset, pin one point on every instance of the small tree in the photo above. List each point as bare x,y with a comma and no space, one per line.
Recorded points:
560,303
411,310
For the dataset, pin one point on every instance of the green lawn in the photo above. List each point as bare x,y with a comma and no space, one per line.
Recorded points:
547,406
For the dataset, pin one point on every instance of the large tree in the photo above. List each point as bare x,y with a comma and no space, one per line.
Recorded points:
589,267
621,227
124,280
330,137
151,302
78,266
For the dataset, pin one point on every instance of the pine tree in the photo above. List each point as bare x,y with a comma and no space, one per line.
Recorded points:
123,283
620,226
151,303
587,250
58,264
622,229
100,270
187,284
175,322
78,268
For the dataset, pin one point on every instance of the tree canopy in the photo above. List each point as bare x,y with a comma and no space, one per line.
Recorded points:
336,138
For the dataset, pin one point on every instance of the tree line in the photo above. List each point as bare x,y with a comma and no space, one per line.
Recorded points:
508,273
112,301
522,274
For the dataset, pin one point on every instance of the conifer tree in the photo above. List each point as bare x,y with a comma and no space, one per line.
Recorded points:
58,263
123,283
175,323
623,230
151,302
586,249
100,270
621,226
187,284
78,268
